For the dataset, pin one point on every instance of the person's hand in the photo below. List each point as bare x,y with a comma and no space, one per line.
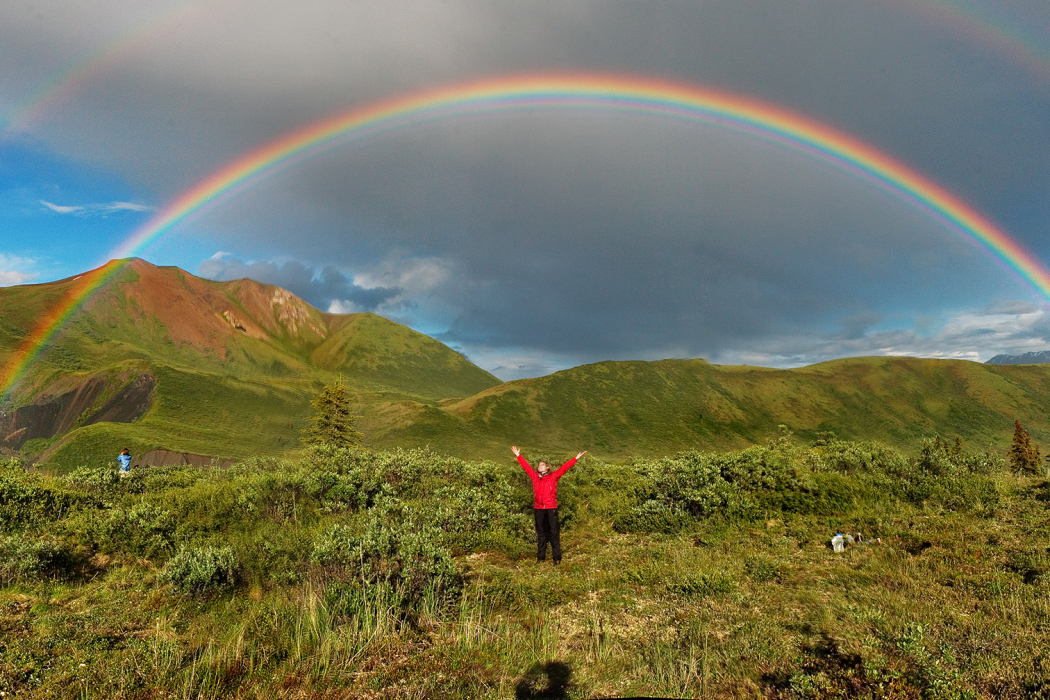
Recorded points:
515,450
581,454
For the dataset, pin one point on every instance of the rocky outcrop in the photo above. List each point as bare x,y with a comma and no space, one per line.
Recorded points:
98,398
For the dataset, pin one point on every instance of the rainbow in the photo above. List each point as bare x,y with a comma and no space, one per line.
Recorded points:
649,97
1008,38
79,73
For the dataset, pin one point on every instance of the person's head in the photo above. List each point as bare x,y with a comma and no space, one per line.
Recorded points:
543,467
125,451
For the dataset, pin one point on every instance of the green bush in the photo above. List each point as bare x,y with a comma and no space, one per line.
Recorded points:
202,571
854,458
394,550
143,529
651,516
461,511
770,476
96,479
29,501
23,557
833,478
691,482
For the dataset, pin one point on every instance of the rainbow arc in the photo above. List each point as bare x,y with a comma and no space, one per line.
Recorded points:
655,98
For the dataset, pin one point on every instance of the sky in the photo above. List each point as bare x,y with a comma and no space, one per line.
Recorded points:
533,240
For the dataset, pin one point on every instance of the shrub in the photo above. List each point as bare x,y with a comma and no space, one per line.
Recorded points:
96,479
144,529
651,516
394,550
28,501
858,458
691,482
832,478
23,557
202,571
769,476
471,510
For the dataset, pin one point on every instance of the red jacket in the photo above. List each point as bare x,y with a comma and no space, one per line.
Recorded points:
545,488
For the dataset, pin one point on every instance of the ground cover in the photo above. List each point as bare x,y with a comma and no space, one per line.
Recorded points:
346,573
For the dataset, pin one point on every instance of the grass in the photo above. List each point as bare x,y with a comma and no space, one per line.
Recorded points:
950,622
939,601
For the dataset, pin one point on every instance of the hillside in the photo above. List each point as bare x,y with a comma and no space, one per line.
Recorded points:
622,408
160,359
228,368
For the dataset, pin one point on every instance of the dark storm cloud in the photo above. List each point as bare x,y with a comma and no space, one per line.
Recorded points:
582,235
318,287
677,238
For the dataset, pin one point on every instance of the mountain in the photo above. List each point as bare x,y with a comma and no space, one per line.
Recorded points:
222,368
623,408
1028,358
158,359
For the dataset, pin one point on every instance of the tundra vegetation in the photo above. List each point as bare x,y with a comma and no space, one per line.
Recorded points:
353,573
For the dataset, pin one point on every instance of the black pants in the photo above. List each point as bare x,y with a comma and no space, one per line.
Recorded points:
547,531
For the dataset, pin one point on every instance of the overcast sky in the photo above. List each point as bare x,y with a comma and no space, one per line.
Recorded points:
537,240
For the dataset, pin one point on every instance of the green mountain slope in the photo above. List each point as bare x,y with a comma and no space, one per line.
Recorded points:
228,369
231,366
622,408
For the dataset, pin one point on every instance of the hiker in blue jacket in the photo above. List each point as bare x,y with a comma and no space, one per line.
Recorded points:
124,459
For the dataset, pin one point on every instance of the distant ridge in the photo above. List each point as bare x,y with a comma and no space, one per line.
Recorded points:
1028,358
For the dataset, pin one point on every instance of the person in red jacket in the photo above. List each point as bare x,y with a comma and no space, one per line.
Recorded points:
545,503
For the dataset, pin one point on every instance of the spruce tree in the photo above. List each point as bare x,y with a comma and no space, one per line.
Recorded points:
333,422
1024,456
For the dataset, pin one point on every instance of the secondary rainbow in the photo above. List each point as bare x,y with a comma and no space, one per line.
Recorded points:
630,95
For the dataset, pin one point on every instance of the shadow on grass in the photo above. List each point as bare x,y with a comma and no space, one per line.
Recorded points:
549,681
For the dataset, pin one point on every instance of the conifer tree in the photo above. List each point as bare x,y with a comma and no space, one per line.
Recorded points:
1024,456
333,422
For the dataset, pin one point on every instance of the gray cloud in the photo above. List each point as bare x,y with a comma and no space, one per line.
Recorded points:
535,239
972,334
320,287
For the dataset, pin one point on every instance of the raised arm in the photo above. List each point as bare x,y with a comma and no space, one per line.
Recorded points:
568,465
524,464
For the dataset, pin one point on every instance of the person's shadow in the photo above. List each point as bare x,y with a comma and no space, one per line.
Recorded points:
548,681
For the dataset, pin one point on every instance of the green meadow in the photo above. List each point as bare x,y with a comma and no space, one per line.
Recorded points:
407,574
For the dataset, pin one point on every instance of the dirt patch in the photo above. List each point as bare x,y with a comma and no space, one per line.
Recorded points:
85,404
129,404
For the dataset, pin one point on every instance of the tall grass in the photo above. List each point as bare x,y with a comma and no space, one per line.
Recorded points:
333,577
